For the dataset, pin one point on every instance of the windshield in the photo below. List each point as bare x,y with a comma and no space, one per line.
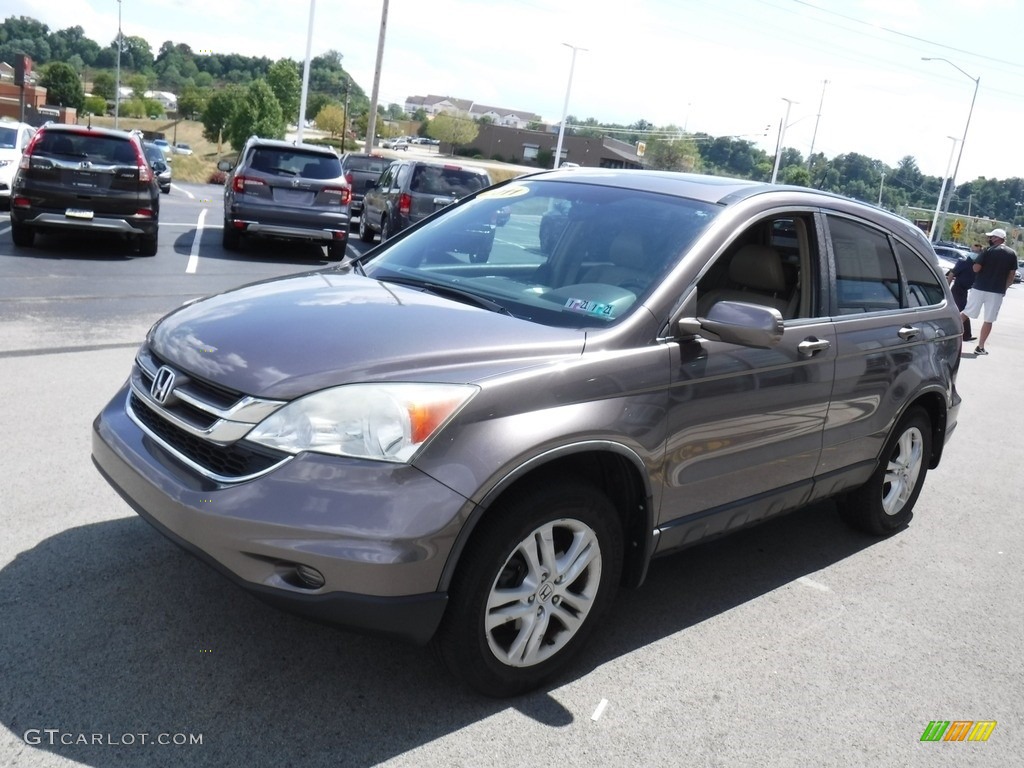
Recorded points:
557,253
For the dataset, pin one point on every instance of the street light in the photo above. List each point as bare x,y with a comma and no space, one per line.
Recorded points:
565,106
942,191
117,87
782,132
956,168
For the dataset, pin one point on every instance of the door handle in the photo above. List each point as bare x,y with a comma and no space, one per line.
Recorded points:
908,332
812,346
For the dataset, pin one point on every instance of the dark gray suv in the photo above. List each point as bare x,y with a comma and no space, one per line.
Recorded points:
410,190
73,178
481,453
277,189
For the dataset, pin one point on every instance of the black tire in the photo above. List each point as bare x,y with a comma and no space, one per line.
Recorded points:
336,251
230,239
365,233
384,229
534,642
885,503
22,236
148,245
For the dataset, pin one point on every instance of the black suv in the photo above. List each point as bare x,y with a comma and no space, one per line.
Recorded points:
411,190
361,173
289,191
85,179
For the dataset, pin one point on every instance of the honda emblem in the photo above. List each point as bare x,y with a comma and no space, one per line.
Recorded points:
163,385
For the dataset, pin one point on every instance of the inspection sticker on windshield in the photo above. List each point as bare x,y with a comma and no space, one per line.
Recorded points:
590,307
509,190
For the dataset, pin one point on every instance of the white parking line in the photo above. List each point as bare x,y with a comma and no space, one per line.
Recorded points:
180,189
809,582
600,710
193,256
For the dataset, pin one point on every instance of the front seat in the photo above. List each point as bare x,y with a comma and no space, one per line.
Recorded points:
758,272
625,267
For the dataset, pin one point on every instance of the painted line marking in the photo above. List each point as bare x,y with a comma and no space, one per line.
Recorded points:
190,195
600,710
193,256
807,582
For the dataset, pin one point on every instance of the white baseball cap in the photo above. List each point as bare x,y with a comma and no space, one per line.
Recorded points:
1000,233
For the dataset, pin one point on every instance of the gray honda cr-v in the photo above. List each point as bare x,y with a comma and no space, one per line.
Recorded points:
479,453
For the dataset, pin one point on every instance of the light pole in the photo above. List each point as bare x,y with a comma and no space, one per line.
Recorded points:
301,122
942,191
565,106
815,134
782,132
117,86
956,168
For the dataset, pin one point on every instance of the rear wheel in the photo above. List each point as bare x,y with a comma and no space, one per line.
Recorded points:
230,239
383,228
365,233
886,501
531,588
148,245
22,236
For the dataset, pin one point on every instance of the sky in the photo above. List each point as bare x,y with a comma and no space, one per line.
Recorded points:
852,69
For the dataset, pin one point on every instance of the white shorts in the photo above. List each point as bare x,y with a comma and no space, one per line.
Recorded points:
983,300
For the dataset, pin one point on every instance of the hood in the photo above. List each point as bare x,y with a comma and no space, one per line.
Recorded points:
290,336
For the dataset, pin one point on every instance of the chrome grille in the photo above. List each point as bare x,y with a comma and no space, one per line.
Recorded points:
200,423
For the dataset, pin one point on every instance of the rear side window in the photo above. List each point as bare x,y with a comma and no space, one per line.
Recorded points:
438,180
305,165
923,287
867,279
8,138
371,164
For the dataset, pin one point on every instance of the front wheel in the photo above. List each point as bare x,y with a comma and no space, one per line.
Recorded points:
533,585
886,501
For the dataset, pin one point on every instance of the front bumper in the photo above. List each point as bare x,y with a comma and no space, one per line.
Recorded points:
379,534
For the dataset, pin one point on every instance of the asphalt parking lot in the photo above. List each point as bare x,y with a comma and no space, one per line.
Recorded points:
798,643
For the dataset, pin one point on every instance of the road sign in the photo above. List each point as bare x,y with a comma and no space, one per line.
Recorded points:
958,228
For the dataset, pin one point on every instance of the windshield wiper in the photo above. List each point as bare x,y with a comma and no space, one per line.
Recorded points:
449,292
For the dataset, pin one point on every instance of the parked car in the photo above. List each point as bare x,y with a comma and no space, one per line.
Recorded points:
953,252
399,143
14,137
160,164
76,178
479,455
411,190
361,172
1019,274
276,189
182,149
165,146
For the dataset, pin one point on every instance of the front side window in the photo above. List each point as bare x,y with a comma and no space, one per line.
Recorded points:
557,253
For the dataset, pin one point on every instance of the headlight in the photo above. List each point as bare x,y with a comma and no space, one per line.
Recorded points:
387,422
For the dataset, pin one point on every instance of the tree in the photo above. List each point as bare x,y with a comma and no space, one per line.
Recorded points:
103,85
192,101
95,105
220,109
258,114
136,53
331,119
63,86
314,103
672,155
139,85
283,79
457,131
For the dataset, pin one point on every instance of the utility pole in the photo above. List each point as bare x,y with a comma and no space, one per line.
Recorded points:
344,118
815,134
881,185
782,132
565,106
117,88
371,121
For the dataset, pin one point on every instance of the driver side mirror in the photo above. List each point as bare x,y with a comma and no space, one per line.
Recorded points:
735,322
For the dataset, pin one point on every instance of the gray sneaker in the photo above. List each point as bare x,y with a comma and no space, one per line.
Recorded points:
980,351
